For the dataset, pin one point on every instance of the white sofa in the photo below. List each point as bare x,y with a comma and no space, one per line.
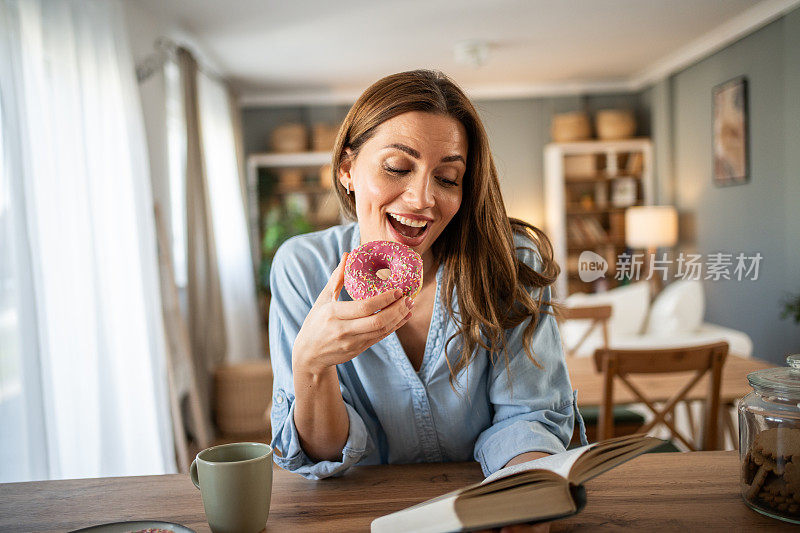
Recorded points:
674,319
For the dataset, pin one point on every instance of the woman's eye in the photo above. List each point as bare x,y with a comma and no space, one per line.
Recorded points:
393,170
402,171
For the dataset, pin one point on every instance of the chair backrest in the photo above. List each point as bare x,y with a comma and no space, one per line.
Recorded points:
706,359
598,315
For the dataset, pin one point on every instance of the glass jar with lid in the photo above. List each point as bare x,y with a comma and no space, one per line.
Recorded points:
769,441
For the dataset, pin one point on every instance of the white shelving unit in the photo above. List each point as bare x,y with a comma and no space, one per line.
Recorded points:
297,159
275,160
612,163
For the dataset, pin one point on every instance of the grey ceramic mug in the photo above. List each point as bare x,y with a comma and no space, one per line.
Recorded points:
235,481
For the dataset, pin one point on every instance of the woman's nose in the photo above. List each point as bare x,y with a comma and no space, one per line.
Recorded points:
418,193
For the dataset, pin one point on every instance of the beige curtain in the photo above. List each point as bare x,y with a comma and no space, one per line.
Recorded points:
205,312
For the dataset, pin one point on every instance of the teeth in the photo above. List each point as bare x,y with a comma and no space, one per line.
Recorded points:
408,221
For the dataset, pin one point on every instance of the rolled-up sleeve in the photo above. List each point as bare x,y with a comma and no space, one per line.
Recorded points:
294,290
534,407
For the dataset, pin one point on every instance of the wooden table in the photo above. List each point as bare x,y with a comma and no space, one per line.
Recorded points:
660,387
674,491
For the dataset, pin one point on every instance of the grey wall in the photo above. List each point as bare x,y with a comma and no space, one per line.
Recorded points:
658,100
516,136
760,216
791,144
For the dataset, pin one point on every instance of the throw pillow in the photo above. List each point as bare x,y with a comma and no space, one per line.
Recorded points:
629,307
678,309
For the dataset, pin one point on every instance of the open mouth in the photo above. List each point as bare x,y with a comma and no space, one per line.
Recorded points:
410,229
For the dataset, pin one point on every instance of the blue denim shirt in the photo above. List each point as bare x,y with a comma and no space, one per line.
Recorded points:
398,415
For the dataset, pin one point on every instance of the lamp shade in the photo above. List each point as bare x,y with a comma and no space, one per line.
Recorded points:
651,226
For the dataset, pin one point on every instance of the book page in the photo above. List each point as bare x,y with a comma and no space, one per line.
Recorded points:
576,462
526,477
560,463
607,459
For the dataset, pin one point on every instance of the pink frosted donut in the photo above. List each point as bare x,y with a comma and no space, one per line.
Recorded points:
361,270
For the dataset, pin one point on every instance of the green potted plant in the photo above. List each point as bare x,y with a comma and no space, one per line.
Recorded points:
791,308
280,223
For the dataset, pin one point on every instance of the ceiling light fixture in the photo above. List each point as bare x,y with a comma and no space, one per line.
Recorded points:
473,53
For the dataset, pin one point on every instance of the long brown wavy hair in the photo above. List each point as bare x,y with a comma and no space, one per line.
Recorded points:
492,285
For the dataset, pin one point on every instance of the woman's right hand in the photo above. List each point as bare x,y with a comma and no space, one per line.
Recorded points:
335,332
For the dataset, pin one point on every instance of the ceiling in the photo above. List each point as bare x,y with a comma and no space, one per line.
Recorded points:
324,49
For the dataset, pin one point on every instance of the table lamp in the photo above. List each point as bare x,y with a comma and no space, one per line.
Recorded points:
650,227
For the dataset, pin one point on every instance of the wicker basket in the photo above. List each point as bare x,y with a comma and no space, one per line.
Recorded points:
567,127
612,124
289,137
325,177
243,397
323,137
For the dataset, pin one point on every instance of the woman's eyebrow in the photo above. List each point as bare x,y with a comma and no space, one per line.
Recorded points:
415,154
456,157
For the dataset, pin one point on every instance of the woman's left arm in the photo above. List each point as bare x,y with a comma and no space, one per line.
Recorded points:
534,406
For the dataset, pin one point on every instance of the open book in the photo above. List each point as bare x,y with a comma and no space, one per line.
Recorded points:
544,489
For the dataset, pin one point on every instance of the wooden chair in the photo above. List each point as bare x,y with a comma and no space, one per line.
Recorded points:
702,360
626,421
599,316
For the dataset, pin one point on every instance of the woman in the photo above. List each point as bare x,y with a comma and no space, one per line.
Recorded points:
473,367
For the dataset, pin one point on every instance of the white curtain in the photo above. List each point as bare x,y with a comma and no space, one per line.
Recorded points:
82,355
237,283
176,150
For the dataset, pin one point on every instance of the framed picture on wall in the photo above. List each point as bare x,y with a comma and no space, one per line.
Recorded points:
731,155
